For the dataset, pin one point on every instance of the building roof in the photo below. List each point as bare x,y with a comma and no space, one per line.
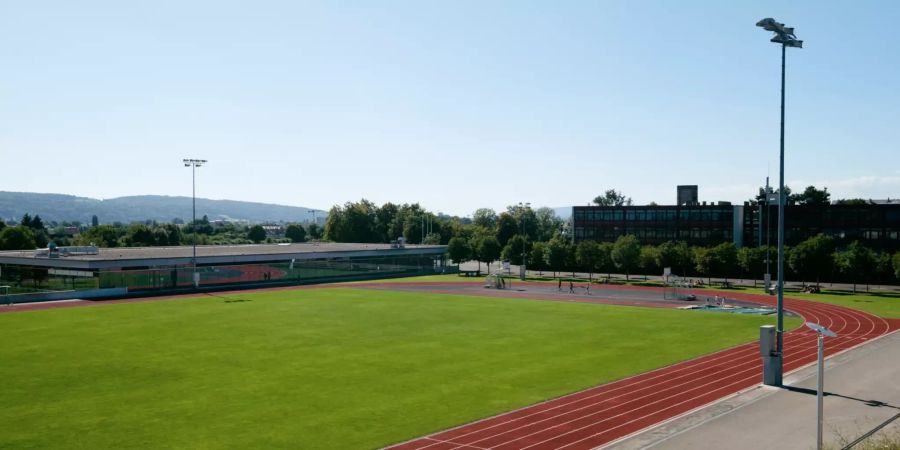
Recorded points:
212,254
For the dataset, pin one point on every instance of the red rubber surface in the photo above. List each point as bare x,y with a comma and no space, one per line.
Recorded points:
602,414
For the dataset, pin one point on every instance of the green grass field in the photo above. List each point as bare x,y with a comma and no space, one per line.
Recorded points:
318,368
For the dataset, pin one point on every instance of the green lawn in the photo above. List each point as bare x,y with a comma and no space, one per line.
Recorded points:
319,368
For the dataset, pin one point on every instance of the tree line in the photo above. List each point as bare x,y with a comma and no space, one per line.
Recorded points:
33,233
815,260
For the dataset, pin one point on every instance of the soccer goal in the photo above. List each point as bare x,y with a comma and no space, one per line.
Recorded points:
678,288
494,281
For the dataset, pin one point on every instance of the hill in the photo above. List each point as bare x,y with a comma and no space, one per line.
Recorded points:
59,207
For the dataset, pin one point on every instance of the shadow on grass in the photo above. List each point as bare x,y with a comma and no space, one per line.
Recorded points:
229,299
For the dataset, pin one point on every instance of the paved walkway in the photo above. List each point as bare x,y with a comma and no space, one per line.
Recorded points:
862,392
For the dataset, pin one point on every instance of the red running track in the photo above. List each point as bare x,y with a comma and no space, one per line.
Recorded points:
602,414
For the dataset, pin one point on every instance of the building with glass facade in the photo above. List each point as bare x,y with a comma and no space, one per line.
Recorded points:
875,225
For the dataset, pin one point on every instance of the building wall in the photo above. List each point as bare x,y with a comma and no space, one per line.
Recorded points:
697,225
876,226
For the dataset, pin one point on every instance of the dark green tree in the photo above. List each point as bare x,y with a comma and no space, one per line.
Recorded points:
813,196
812,257
507,227
857,261
896,263
514,249
557,251
256,233
648,260
537,259
295,233
612,198
17,238
458,250
488,250
548,224
626,254
587,254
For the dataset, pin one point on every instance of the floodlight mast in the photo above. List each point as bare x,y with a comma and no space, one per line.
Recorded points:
194,164
784,36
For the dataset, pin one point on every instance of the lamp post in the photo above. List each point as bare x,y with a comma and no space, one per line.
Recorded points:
194,164
523,268
820,382
784,36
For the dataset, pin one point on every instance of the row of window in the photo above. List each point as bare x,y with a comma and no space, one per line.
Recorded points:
655,234
654,215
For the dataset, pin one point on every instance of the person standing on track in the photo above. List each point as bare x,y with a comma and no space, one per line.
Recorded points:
571,288
559,288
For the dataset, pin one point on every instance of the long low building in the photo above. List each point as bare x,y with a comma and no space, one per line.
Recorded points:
89,272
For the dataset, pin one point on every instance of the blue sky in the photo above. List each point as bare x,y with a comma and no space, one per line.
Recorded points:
456,105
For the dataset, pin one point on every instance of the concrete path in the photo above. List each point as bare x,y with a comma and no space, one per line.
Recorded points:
863,392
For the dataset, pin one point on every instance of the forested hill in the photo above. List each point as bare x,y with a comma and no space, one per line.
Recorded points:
60,207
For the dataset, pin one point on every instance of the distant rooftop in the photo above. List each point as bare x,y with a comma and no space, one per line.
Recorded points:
129,256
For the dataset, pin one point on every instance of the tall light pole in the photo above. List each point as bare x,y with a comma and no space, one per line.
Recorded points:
784,36
194,164
524,207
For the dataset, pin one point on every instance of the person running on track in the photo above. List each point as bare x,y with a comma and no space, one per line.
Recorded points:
571,288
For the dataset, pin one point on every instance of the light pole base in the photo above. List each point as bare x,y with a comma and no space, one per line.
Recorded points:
772,370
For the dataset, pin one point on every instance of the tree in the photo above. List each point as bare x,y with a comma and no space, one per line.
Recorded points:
587,253
626,253
485,217
812,257
703,262
676,255
432,239
852,201
458,250
648,260
724,260
17,238
752,261
760,198
605,261
256,234
896,262
101,236
548,224
507,227
2,224
314,231
537,259
295,233
612,198
857,262
813,196
139,235
557,250
515,249
488,250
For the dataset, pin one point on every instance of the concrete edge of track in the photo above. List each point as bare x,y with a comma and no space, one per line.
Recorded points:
689,420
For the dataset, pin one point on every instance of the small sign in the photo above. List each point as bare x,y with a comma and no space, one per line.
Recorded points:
667,272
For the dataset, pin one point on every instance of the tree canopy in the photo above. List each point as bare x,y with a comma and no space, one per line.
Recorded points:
612,198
